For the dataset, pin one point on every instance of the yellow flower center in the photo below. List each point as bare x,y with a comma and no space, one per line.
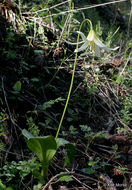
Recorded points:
92,46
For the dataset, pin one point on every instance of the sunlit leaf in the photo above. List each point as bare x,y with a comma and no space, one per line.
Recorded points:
44,147
65,178
17,86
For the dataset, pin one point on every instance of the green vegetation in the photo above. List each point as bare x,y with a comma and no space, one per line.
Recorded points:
65,103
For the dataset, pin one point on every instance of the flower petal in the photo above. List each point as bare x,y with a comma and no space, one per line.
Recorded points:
71,43
90,36
96,50
114,48
83,47
92,44
101,45
83,36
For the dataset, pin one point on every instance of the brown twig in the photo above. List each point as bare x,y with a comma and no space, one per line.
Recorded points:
82,184
54,177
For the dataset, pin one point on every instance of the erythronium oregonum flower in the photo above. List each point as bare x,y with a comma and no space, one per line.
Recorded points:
93,41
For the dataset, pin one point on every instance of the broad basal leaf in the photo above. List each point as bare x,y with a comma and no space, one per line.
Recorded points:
44,147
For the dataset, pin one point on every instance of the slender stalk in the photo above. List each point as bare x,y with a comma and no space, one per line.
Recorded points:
44,169
72,79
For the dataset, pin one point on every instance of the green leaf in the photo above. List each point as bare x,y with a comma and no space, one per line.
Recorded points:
27,134
41,52
44,147
70,154
2,186
50,103
65,178
37,187
88,170
35,79
92,163
70,150
9,188
120,79
17,86
61,142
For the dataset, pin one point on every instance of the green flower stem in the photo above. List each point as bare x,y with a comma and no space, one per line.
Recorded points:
72,79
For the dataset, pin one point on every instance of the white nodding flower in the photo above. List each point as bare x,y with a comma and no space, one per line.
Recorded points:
93,42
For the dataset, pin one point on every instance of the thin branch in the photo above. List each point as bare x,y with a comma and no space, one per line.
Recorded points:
86,7
54,177
54,6
16,154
